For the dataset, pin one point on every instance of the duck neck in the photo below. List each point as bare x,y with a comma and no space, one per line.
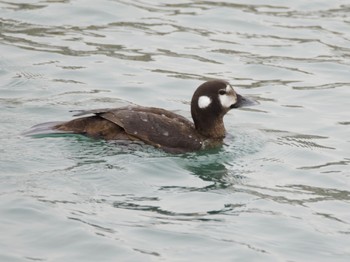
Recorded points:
211,129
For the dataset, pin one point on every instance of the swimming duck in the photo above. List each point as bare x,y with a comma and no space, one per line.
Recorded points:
161,128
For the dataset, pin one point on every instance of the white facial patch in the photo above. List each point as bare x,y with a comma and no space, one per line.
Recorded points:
204,101
228,99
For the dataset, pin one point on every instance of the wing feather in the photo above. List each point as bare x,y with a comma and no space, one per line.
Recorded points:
157,127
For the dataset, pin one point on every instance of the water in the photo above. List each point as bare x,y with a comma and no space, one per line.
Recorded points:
278,190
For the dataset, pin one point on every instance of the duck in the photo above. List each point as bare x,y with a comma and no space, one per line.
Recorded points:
159,127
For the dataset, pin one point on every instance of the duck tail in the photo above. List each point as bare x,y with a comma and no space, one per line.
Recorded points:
47,128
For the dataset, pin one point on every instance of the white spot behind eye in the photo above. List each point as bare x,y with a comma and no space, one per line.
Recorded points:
204,101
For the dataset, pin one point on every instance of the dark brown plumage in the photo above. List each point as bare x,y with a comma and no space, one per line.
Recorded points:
161,128
154,126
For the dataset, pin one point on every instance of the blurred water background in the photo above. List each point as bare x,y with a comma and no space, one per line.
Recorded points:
278,190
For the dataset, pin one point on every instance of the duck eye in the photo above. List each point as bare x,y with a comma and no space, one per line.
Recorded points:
222,92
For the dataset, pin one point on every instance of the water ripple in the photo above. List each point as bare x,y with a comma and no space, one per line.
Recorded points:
282,172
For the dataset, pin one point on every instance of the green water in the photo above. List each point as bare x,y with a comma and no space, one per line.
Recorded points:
277,190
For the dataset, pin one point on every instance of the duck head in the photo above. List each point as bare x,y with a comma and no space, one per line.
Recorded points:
210,102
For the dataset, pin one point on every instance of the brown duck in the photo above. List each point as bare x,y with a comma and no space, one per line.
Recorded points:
159,127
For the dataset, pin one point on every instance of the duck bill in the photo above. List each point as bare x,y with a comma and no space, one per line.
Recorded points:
243,102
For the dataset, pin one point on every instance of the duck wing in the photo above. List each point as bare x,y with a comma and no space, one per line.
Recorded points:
155,126
92,111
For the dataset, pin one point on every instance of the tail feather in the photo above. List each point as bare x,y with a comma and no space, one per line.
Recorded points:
45,129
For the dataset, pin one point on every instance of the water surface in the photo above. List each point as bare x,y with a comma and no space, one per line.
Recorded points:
278,190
